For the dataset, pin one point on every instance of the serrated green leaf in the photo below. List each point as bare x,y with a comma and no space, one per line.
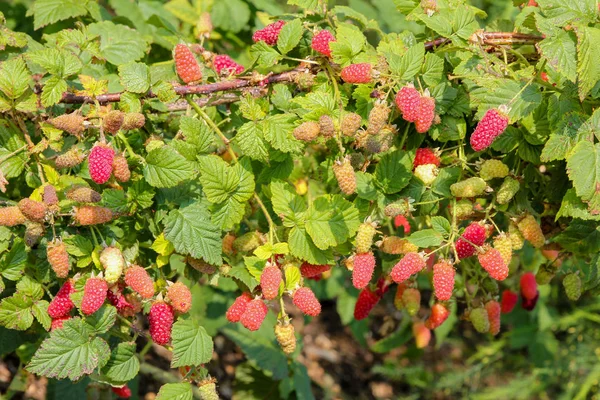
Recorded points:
250,139
49,11
191,344
560,13
123,364
78,245
331,220
292,277
70,352
103,319
433,69
230,16
393,172
287,204
243,274
560,51
135,77
588,68
441,225
57,61
29,287
115,199
53,90
264,54
303,247
426,238
191,231
572,206
583,168
220,181
278,131
410,63
13,262
39,309
14,78
15,312
289,36
166,168
175,391
119,44
350,41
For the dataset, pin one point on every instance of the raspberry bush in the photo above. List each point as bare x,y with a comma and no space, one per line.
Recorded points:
182,175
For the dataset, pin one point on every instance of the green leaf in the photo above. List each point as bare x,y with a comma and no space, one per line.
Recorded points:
115,199
165,168
191,344
365,186
243,273
16,313
426,238
350,41
231,15
264,54
57,61
287,204
13,263
14,78
70,352
192,232
250,139
39,309
572,206
393,172
135,77
123,364
393,341
560,51
119,44
78,246
411,62
289,36
588,53
292,277
197,133
433,69
583,168
563,12
331,220
103,319
278,130
50,11
220,181
441,225
53,90
29,287
175,391
303,247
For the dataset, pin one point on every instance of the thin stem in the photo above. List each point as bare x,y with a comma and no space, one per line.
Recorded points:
338,98
130,151
268,217
214,126
404,136
300,60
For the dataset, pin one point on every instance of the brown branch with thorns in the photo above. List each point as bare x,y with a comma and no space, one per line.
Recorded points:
257,85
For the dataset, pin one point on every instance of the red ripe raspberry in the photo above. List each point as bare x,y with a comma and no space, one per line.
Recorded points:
236,310
139,281
408,265
94,294
544,76
357,73
528,304
306,301
123,392
408,100
320,42
439,315
422,334
365,302
443,280
493,309
424,156
311,271
488,129
61,305
364,265
270,280
100,162
180,297
254,315
528,286
224,65
116,298
269,34
509,301
186,64
400,220
426,114
57,323
474,233
161,321
492,261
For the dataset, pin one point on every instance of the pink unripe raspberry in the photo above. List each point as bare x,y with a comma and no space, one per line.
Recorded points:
492,261
493,309
408,100
509,301
488,129
180,297
122,392
364,265
186,64
320,42
311,271
94,294
270,280
474,233
100,162
366,301
528,286
269,34
254,315
61,304
307,302
161,322
426,114
439,315
225,65
424,156
408,265
401,221
443,280
357,73
139,281
236,310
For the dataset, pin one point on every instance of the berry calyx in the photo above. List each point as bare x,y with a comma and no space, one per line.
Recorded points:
492,125
306,301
